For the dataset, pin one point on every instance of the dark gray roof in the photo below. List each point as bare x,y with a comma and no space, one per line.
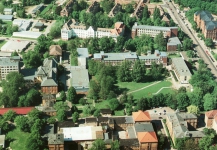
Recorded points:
106,111
131,132
121,120
55,139
129,142
38,7
144,127
204,15
174,41
65,124
91,120
28,74
211,25
38,25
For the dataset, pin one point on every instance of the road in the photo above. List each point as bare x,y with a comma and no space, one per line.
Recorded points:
173,13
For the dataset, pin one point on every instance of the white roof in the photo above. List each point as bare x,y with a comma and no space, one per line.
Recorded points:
27,34
14,45
83,52
80,133
23,24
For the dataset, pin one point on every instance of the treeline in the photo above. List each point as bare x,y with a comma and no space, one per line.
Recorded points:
209,5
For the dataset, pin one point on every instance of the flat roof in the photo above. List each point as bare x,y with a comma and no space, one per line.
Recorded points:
2,140
81,133
6,17
159,28
174,41
8,61
14,45
79,77
83,52
27,34
181,67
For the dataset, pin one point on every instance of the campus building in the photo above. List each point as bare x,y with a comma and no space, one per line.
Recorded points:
74,29
7,65
211,119
173,43
181,70
206,23
139,30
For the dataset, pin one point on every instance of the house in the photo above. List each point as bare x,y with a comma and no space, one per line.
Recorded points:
178,124
17,110
8,11
158,57
79,79
23,24
115,58
48,100
94,7
6,17
38,27
74,29
211,119
141,116
7,65
83,55
67,9
206,23
15,45
38,9
47,76
172,44
2,141
106,112
56,50
56,142
117,8
139,30
181,70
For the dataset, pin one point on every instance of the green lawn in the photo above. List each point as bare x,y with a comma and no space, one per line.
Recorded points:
2,42
102,104
131,86
18,139
119,113
152,89
8,22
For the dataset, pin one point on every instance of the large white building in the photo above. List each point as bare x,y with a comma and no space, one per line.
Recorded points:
74,29
22,24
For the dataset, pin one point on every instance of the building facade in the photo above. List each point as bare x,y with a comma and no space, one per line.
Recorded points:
139,30
67,9
211,119
206,23
74,29
7,65
173,43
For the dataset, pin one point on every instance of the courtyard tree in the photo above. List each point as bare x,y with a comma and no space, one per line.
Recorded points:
75,117
98,144
138,71
113,104
209,42
193,109
209,102
71,95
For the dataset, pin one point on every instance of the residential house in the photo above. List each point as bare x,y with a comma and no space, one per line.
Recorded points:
117,8
8,11
206,23
56,142
17,110
74,29
178,124
23,24
139,30
94,7
6,17
47,76
158,57
211,119
56,50
172,44
67,9
38,27
181,70
7,65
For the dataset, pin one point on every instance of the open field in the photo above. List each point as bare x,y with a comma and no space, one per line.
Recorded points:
18,139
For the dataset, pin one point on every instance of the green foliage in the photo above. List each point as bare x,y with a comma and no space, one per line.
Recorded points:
113,104
55,30
138,71
14,53
156,13
129,8
32,59
190,54
183,101
75,117
9,115
71,95
61,115
88,110
209,42
187,44
124,73
82,101
51,120
98,145
193,109
107,5
96,113
74,109
115,145
209,102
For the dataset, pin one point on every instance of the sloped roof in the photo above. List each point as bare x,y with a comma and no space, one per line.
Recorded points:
17,110
147,137
211,114
55,50
141,116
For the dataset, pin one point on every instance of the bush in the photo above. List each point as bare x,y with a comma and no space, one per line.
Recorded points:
82,101
51,120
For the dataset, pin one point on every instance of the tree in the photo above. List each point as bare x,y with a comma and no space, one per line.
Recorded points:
145,13
115,145
113,104
75,117
129,8
32,59
190,144
98,144
74,109
193,109
107,5
142,104
190,54
205,142
106,44
138,71
22,123
71,95
120,44
187,44
38,126
55,30
21,13
82,101
209,42
96,113
34,142
209,102
123,73
182,100
61,115
62,95
160,41
156,13
9,115
14,53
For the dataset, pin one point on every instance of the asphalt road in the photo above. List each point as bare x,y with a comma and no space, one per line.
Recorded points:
198,47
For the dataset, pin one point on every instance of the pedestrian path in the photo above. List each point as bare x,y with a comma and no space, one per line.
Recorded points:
161,90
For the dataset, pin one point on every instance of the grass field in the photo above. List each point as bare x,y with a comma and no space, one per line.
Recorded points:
131,86
8,22
102,104
2,42
19,139
119,113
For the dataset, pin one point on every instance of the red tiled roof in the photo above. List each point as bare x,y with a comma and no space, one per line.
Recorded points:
210,114
18,110
147,137
141,116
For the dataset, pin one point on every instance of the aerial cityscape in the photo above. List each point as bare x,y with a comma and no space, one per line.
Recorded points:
108,74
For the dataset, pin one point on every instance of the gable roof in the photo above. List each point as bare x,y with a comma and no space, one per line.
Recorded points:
211,114
147,137
55,50
141,116
17,110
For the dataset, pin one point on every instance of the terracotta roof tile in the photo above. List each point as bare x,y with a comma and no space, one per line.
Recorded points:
17,110
210,114
55,50
141,116
147,137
